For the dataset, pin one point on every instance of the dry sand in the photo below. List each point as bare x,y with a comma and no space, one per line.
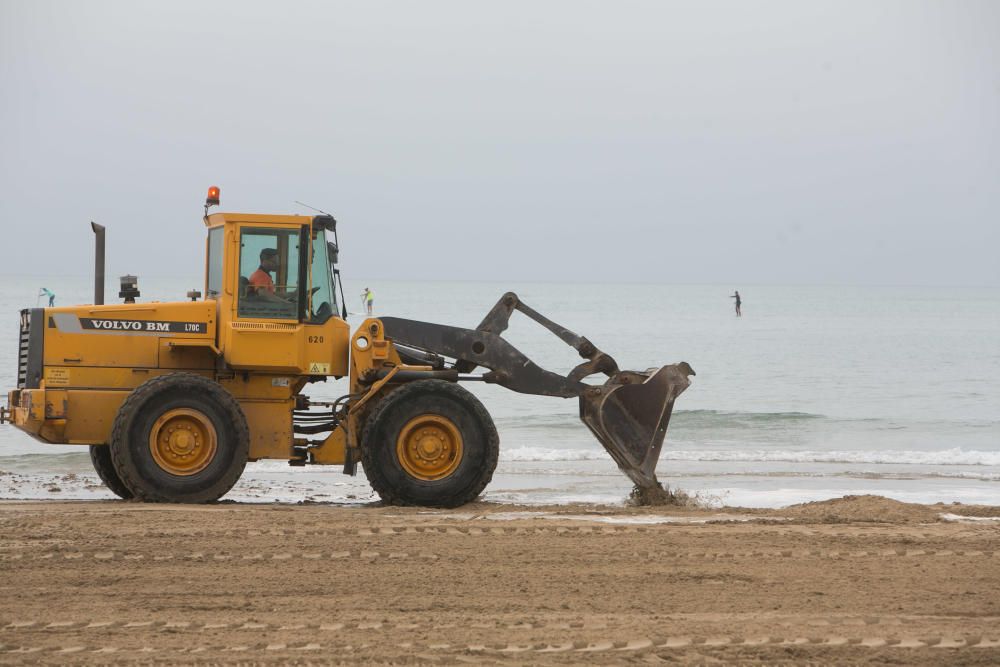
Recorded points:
856,580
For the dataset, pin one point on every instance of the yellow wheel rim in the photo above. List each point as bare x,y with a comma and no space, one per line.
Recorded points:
183,441
429,447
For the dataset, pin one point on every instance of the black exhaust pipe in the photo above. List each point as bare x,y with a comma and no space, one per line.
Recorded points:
98,263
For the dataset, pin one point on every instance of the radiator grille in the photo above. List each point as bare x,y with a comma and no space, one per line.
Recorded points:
263,326
22,349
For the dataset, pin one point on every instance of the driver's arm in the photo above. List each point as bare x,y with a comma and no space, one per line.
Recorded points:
264,295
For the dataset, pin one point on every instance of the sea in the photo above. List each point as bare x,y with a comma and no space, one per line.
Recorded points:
816,392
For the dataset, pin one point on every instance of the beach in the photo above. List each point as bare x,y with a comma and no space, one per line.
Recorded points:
860,580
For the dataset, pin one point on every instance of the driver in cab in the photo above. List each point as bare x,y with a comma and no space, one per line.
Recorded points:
261,284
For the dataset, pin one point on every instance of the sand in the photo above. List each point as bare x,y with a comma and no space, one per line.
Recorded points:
855,580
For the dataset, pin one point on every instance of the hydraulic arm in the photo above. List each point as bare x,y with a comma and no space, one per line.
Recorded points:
628,413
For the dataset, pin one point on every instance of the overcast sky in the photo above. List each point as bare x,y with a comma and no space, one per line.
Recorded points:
671,142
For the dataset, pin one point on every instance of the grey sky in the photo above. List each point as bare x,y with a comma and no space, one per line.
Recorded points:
723,142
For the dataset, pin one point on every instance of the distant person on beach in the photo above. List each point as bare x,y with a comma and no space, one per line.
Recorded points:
52,296
739,302
368,300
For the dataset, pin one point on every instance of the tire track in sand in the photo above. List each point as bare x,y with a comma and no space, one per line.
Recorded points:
641,644
371,555
762,527
54,627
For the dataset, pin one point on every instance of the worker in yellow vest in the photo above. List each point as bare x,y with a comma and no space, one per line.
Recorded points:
368,300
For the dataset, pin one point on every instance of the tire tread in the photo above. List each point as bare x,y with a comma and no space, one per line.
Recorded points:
100,456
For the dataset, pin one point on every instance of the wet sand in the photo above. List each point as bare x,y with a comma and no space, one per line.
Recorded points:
857,580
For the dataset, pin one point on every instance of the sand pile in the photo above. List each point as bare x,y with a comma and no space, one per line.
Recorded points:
853,509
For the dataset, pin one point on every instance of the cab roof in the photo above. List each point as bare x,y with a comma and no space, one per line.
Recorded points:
217,219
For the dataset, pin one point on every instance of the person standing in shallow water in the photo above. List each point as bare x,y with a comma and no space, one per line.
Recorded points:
368,300
739,302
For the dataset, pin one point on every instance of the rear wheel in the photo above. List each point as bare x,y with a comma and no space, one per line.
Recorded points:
179,438
100,456
429,443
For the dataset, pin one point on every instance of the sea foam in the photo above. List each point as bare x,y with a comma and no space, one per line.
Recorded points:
953,456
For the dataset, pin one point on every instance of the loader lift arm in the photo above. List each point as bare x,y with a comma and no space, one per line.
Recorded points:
628,414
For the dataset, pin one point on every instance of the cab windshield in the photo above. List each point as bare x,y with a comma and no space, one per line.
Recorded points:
269,273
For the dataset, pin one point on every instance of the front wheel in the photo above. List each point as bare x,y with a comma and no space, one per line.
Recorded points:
429,443
179,438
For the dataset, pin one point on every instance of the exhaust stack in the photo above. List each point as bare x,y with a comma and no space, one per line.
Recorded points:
98,263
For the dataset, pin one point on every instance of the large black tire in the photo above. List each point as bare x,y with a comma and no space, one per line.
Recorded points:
158,472
100,456
470,466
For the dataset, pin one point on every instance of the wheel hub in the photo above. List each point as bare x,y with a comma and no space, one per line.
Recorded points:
429,447
183,441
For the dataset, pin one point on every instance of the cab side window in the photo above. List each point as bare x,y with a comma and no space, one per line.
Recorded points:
215,250
269,274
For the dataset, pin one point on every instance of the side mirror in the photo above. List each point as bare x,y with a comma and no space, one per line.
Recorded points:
332,251
324,221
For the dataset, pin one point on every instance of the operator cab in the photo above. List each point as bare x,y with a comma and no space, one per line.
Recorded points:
272,278
284,271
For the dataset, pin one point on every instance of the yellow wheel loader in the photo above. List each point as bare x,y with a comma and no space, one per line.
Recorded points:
175,398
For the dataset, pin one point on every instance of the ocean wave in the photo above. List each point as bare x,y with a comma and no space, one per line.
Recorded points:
714,420
716,416
943,457
682,418
763,422
547,454
953,456
544,421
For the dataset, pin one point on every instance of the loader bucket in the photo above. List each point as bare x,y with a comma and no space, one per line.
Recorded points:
629,416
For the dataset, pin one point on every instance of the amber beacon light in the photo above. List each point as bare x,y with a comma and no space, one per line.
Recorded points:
213,196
